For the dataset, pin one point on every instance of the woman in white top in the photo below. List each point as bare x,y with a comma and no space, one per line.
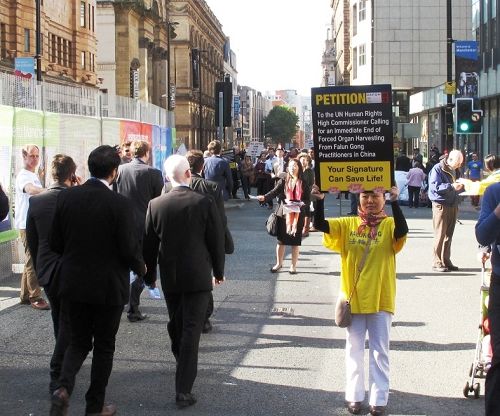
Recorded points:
415,178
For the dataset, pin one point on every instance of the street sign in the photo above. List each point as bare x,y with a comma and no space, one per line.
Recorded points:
236,105
353,137
450,87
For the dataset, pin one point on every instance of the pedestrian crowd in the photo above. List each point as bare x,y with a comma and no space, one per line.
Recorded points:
91,259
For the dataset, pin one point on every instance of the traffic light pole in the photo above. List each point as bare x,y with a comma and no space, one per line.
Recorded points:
449,79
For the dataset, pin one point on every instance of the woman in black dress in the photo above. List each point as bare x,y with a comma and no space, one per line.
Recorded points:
290,189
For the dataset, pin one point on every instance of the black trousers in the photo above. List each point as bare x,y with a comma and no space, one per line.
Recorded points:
62,334
97,325
492,396
413,196
187,313
136,288
210,308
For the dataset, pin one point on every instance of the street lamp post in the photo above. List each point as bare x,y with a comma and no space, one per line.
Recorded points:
38,43
200,102
170,35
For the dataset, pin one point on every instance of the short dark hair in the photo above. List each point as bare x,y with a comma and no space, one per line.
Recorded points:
196,160
62,168
102,161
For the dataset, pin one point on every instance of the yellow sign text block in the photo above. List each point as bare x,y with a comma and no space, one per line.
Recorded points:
361,175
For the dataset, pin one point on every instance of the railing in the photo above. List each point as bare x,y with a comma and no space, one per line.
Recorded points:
81,100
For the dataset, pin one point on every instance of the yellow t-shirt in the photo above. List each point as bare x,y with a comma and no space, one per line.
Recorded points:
376,288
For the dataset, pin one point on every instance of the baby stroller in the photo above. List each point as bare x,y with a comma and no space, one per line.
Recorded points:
482,357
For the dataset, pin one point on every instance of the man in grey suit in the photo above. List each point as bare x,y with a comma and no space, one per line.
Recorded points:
185,236
140,183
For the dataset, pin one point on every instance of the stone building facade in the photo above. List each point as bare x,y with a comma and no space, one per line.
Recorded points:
197,28
68,40
132,54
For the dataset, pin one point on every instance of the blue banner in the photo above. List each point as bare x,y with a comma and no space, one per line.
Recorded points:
466,68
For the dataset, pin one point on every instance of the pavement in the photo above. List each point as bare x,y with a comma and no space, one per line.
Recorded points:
275,349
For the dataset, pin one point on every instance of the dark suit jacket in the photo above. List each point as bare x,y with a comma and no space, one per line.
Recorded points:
141,183
211,188
97,240
4,204
184,227
38,224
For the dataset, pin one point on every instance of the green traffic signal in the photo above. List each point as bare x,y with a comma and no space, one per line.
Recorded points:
464,127
467,119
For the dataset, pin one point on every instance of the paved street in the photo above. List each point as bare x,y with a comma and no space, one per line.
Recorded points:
261,361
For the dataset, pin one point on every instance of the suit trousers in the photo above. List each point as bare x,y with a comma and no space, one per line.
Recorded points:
30,289
378,326
62,334
210,309
136,288
492,385
91,323
444,219
187,313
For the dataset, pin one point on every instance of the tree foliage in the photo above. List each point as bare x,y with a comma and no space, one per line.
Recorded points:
281,124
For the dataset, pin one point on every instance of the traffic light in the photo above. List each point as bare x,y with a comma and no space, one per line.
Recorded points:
226,88
468,120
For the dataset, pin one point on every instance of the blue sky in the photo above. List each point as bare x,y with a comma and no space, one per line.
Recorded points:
278,43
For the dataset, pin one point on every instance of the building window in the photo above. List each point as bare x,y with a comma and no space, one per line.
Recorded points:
59,50
354,19
65,53
27,44
93,19
82,14
82,62
362,55
354,63
362,10
3,40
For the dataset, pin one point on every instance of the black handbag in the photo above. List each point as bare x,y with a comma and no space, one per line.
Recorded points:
272,224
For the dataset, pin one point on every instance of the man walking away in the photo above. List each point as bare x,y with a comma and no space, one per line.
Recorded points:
45,261
140,183
96,240
217,169
184,227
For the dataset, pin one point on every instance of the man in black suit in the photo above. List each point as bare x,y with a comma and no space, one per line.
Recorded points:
140,183
204,186
184,227
38,223
95,237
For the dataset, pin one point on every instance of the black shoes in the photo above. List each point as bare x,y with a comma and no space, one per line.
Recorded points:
354,408
207,327
183,400
136,316
452,268
60,402
377,410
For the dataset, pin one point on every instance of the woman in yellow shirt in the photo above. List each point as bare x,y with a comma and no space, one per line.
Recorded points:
373,298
